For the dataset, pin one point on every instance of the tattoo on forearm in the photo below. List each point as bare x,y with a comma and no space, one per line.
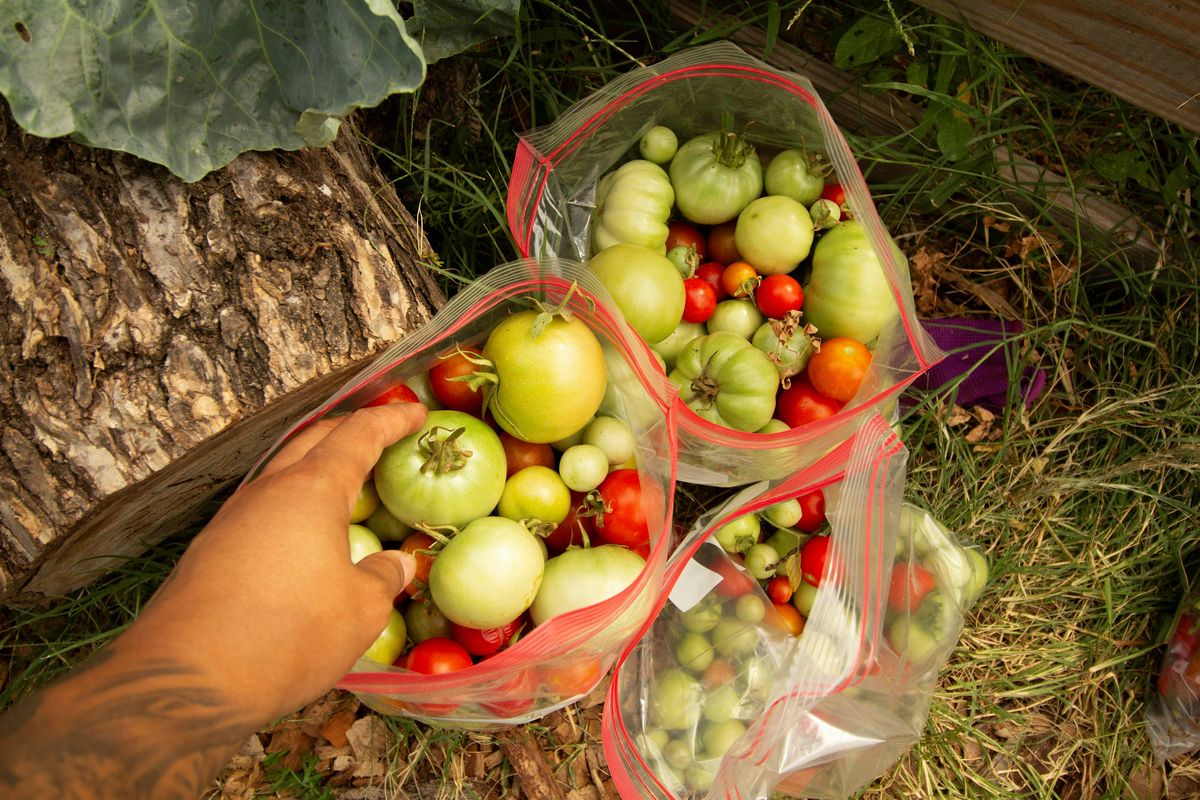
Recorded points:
154,731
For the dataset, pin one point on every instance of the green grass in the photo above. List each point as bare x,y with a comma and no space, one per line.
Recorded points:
1085,503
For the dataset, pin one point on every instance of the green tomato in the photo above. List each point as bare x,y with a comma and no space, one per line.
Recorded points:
720,736
774,234
738,535
449,472
646,287
694,653
612,436
824,214
727,381
583,467
678,754
702,617
784,541
761,560
715,176
979,576
734,637
550,380
783,514
804,597
658,144
362,543
848,293
698,779
633,204
388,646
721,703
670,348
386,526
535,492
674,700
366,502
488,574
582,577
426,621
789,355
797,174
775,426
750,608
738,316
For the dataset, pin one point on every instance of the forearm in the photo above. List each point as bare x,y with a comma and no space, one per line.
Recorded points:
125,725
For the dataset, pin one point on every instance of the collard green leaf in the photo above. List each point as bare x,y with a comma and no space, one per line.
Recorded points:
191,85
446,27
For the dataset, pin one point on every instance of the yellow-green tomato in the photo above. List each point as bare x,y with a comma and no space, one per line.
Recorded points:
737,316
848,293
583,467
720,736
750,608
658,144
646,287
715,175
678,754
738,535
551,375
797,174
693,652
698,779
783,514
774,234
702,617
366,502
804,597
674,700
585,576
733,637
613,436
362,543
388,646
386,525
535,493
727,381
721,703
633,204
670,348
487,574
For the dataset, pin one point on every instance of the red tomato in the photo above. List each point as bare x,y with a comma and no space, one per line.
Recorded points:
438,656
734,582
812,511
910,583
710,273
626,500
400,393
779,589
1186,637
415,542
453,394
519,454
574,679
721,245
699,300
739,279
521,690
485,641
800,404
787,617
812,559
681,233
838,368
778,294
835,192
569,532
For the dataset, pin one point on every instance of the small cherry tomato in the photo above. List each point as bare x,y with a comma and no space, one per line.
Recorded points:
779,589
710,273
909,585
521,691
721,244
412,545
700,300
813,555
485,641
800,404
455,394
626,498
778,294
838,368
739,279
787,617
519,454
400,393
680,233
835,192
812,511
570,531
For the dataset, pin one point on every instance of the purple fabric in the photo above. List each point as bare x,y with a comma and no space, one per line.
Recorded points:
974,348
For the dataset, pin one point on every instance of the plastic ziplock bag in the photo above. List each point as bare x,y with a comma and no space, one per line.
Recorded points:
817,715
551,198
1173,711
566,656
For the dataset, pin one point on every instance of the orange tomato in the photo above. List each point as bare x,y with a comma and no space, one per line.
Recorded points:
838,369
739,279
788,619
574,679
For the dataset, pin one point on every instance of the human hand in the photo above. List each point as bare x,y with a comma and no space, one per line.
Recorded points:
265,598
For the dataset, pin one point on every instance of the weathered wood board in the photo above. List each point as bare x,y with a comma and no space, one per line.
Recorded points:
157,336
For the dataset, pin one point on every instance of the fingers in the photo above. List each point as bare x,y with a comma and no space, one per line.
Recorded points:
350,450
392,570
298,446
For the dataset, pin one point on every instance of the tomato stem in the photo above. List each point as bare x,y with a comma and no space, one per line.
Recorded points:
445,454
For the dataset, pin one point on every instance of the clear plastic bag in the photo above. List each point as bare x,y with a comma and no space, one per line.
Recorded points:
1173,711
817,715
565,657
552,196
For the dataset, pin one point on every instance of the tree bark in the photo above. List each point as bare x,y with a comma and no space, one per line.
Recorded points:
159,336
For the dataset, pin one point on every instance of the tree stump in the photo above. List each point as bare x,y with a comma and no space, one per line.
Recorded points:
158,336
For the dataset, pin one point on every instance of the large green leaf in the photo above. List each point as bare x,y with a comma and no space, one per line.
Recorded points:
446,27
192,84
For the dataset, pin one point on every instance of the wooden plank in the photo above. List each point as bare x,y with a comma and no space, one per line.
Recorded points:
1144,51
877,113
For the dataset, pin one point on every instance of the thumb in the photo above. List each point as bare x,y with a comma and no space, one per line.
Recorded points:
389,570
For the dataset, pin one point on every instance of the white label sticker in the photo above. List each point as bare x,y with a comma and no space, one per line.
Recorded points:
695,582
